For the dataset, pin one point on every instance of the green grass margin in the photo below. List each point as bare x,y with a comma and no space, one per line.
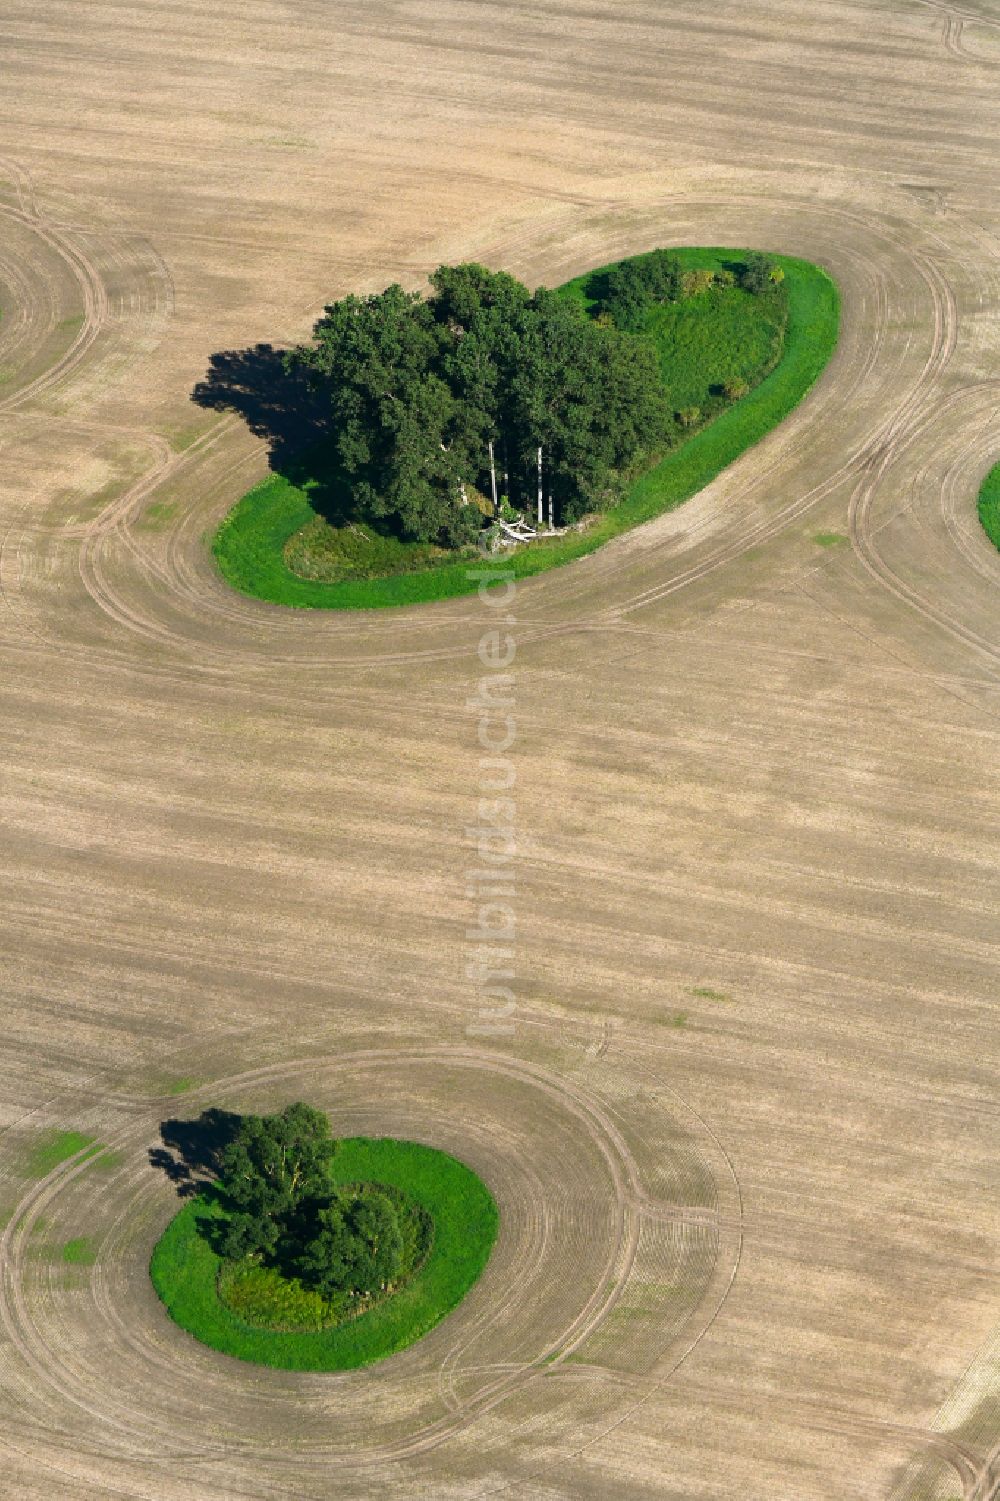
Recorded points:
184,1267
248,546
989,505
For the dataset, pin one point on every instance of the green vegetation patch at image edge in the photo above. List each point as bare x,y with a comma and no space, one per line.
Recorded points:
989,505
184,1268
248,546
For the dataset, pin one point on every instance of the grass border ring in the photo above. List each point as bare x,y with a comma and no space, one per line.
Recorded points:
185,1269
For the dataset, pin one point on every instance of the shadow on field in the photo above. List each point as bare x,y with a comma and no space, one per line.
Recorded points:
275,405
295,421
190,1152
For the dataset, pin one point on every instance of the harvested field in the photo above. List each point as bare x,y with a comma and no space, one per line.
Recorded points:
744,1132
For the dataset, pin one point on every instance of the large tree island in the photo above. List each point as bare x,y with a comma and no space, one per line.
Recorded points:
538,425
482,384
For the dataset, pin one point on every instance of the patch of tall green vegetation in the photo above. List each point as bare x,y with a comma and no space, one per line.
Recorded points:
634,384
312,1254
717,330
989,505
355,550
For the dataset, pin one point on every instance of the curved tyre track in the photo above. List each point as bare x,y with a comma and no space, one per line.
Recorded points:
568,1348
173,600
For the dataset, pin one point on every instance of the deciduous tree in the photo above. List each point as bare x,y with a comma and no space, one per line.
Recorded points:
356,1246
275,1164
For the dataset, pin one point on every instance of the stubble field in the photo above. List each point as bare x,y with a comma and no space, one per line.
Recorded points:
744,1133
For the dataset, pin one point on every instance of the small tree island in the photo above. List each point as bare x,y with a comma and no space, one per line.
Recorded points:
290,1257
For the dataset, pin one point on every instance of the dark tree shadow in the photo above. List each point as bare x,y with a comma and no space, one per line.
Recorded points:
276,405
596,286
295,421
190,1152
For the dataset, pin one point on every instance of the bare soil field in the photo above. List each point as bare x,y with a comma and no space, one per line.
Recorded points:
744,1130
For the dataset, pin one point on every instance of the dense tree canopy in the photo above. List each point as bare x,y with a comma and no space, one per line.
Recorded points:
442,404
758,273
437,400
632,285
356,1245
285,1210
272,1167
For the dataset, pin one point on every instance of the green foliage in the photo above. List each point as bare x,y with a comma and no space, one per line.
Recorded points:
249,544
989,505
272,1168
727,335
186,1267
352,551
379,361
55,1147
262,1297
632,286
283,1212
756,274
354,1245
268,1298
419,389
697,282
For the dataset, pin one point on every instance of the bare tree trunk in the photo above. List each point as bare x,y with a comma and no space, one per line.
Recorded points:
551,522
493,477
541,517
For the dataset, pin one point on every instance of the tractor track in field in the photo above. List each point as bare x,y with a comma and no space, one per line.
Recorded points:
627,1208
741,1134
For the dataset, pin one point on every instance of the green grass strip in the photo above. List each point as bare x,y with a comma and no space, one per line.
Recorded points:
248,546
989,505
184,1268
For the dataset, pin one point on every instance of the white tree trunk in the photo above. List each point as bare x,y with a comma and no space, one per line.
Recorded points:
551,522
541,516
493,477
